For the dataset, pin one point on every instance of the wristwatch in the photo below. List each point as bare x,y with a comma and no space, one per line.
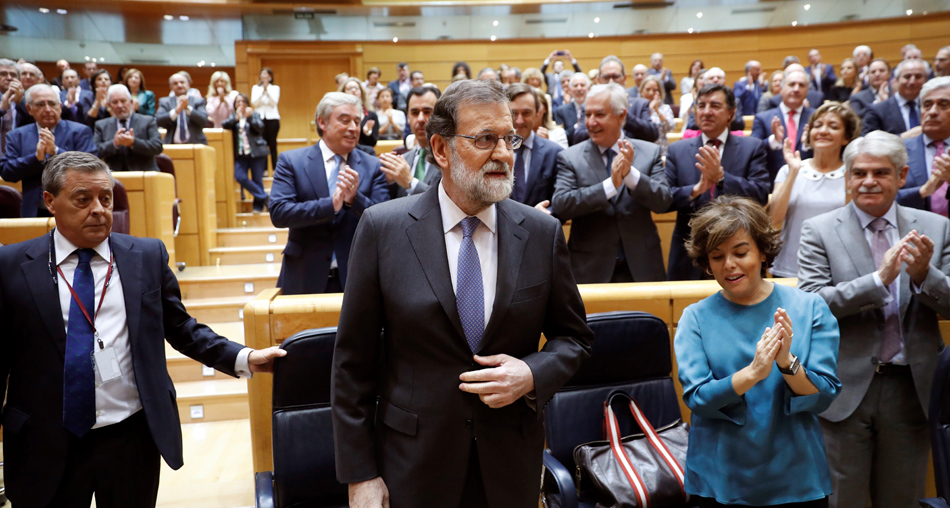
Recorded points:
792,367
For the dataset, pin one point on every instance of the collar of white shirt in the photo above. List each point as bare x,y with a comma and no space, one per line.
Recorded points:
529,141
927,140
902,102
452,214
865,218
64,248
722,138
328,155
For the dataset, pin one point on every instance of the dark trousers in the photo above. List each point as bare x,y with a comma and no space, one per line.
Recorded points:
271,128
257,165
473,495
119,464
705,502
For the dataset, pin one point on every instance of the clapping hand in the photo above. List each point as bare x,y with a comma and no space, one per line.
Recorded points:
622,163
778,130
766,350
124,137
792,157
46,144
783,324
916,252
182,104
395,169
709,163
348,181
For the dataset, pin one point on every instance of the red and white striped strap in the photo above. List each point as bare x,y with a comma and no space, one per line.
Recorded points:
658,444
613,435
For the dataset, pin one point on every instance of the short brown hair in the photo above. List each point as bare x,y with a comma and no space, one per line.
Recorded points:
718,220
852,122
516,90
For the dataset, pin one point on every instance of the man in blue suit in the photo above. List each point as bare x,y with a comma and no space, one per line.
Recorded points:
788,120
401,86
926,185
320,193
901,113
821,76
535,164
29,146
715,163
571,115
749,88
77,424
73,98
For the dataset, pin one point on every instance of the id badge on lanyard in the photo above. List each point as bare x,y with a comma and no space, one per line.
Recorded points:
105,361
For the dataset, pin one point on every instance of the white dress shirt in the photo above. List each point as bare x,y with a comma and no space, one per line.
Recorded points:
117,399
893,236
486,244
265,103
632,178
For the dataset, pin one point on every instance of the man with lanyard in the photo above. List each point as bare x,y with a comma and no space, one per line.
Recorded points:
89,405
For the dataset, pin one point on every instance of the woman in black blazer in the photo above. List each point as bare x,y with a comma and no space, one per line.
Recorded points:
250,149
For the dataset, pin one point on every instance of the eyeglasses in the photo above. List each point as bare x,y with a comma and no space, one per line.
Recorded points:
8,74
489,141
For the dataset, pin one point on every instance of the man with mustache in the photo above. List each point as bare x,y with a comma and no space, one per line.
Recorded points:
443,408
320,192
883,270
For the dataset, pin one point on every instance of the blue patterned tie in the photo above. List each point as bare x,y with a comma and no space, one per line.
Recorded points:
79,381
331,185
469,294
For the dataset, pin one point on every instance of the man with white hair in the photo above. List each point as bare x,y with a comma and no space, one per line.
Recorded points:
929,164
883,270
615,239
571,115
639,72
786,121
12,112
127,141
749,88
665,75
320,193
901,113
28,147
717,76
182,115
862,56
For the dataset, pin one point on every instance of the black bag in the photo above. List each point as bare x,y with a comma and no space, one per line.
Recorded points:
638,471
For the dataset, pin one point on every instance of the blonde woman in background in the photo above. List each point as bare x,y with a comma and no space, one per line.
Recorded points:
532,76
661,114
264,98
220,98
546,128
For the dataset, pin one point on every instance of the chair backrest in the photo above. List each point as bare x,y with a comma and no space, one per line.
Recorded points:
120,208
9,202
940,424
165,164
304,464
631,353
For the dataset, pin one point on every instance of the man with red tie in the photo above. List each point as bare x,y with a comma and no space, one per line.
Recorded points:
787,120
715,163
926,186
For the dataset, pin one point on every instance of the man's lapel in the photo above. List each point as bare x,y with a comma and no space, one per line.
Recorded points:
512,239
317,172
595,162
128,261
428,243
854,242
729,151
36,271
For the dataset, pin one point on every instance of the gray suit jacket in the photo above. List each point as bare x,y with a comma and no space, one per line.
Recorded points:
432,178
138,157
196,120
835,261
599,224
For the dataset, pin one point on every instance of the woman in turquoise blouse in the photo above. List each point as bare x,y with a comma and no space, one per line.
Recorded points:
142,99
758,362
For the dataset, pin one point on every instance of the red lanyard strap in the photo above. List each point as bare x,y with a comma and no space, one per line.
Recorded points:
105,287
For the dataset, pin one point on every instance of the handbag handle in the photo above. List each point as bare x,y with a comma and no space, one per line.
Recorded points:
616,446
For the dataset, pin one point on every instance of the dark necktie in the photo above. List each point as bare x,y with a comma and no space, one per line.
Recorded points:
6,125
521,187
181,132
891,344
469,292
913,119
79,381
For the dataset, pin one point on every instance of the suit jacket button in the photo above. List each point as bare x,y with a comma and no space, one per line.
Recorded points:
469,424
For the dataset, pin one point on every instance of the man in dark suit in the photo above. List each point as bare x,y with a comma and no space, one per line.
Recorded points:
401,86
438,383
901,113
788,120
929,164
878,88
638,124
127,141
57,81
607,186
320,192
571,115
29,147
883,270
716,75
11,95
73,98
553,79
535,165
715,163
182,116
71,431
410,173
88,69
665,75
821,76
749,88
